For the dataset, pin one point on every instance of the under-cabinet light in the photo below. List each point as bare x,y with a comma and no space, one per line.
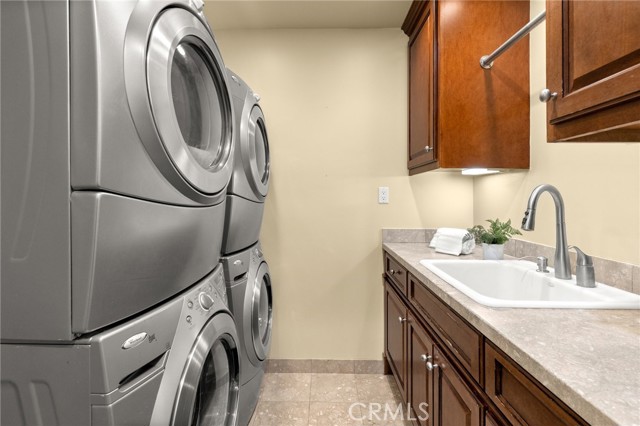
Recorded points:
478,172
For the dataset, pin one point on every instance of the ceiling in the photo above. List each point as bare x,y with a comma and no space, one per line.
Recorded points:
305,14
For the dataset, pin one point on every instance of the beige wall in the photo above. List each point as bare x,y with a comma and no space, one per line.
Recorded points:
335,102
600,183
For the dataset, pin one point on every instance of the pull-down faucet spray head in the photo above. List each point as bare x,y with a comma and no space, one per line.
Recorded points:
529,220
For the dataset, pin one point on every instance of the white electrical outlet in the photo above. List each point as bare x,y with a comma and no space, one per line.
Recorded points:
383,195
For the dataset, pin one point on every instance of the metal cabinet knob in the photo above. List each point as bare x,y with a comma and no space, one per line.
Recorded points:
431,366
546,95
400,319
425,358
392,272
428,148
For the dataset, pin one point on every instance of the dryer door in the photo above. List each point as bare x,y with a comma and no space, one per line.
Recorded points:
180,102
208,392
254,146
261,313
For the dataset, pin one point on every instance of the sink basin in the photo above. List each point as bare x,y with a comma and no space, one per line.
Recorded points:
516,284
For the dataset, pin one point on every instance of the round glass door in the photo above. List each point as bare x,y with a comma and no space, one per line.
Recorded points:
255,148
197,104
208,394
261,312
261,149
189,101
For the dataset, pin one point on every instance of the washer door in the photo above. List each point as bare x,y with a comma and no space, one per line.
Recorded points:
180,102
261,313
208,393
254,146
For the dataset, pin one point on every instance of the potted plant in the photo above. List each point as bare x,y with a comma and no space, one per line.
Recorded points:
494,238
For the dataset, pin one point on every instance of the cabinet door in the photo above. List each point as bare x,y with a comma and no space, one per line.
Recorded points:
420,382
454,403
422,144
395,337
593,64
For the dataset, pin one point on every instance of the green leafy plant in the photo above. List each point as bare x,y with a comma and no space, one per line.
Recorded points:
498,232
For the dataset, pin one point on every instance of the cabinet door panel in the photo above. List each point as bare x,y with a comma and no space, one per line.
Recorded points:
593,64
420,382
421,115
395,335
454,403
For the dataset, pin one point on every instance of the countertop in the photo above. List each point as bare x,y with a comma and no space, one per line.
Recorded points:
590,359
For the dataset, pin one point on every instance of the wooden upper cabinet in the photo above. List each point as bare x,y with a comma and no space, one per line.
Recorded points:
461,115
593,64
422,147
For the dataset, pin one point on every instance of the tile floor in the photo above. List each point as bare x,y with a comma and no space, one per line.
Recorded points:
325,399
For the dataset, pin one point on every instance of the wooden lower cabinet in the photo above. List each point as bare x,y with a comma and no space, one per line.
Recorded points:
454,403
420,380
450,374
438,396
395,347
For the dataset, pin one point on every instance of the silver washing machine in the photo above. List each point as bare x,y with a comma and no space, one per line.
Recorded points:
177,365
250,181
117,150
250,300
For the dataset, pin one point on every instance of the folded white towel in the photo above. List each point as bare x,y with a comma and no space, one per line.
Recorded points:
453,241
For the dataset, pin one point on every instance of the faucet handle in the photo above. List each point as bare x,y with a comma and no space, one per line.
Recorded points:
585,273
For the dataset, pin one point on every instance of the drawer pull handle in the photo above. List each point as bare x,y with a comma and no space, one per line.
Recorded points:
400,319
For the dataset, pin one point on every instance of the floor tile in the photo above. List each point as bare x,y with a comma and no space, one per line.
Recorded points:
334,388
286,387
377,389
334,414
281,413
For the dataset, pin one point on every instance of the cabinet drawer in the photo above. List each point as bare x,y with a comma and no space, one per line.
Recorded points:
462,340
520,398
396,273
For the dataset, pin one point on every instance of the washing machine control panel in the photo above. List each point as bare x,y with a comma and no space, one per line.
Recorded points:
209,295
206,301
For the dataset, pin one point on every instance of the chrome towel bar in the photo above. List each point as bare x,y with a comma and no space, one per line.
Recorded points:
486,61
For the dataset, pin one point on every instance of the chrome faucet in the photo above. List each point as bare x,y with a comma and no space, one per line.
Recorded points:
562,264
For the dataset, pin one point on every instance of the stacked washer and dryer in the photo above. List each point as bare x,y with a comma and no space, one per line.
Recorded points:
119,172
246,270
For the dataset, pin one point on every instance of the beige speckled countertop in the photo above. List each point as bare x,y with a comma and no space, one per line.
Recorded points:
590,359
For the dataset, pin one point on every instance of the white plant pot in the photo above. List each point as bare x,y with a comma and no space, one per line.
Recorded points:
492,251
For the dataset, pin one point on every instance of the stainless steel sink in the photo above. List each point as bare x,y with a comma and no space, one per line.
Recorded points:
517,284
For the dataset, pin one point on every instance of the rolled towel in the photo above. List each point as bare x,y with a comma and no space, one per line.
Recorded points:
453,241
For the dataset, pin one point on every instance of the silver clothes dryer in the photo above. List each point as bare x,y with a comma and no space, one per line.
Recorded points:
250,300
116,155
250,181
174,365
